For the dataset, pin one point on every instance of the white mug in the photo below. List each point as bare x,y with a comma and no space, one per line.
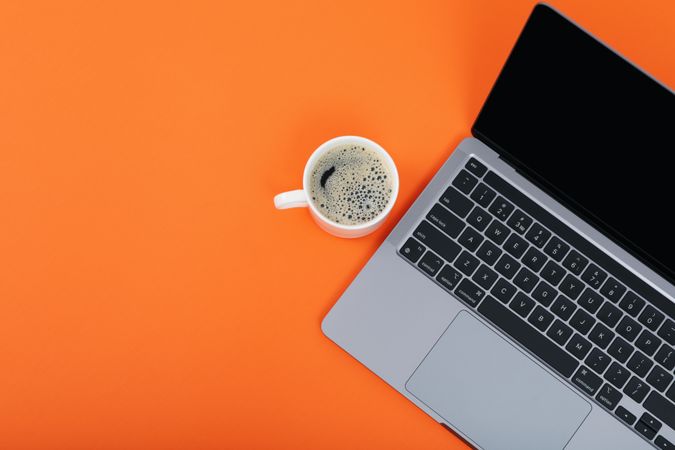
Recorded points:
300,197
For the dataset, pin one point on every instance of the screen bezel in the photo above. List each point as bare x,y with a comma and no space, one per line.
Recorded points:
545,12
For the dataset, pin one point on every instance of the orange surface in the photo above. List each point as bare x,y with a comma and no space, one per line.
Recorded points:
150,295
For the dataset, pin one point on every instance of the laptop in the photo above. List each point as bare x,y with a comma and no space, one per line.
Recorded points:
526,298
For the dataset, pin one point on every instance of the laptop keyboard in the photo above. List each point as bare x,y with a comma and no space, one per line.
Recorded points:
570,304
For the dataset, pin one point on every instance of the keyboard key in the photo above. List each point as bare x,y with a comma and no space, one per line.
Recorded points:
587,381
540,318
522,304
631,303
526,279
470,239
594,276
663,409
448,277
519,221
620,349
475,167
563,307
445,220
625,415
488,252
666,357
612,289
575,262
651,318
571,286
501,208
609,397
560,333
645,430
503,290
639,364
553,273
601,336
628,328
479,218
670,393
483,195
663,443
456,202
469,292
578,346
437,241
534,259
544,293
485,277
538,235
412,250
430,263
556,248
466,263
609,314
515,245
528,337
617,375
582,321
497,232
465,182
651,421
597,360
667,331
507,266
659,378
648,343
590,300
636,389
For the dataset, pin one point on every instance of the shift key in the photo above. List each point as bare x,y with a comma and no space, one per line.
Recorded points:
437,241
661,407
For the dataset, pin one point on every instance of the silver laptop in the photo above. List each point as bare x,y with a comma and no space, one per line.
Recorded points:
525,300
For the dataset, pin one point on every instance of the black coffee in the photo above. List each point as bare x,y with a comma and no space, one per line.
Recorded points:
350,184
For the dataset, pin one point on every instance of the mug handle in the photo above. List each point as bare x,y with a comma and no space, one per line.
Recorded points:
291,199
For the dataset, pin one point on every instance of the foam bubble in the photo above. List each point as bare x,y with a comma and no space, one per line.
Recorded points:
349,184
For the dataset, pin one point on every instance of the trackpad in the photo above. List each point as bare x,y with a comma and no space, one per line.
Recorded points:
493,393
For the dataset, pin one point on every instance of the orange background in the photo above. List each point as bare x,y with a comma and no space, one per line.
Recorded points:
150,295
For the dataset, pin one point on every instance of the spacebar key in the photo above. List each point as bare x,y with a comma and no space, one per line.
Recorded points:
528,337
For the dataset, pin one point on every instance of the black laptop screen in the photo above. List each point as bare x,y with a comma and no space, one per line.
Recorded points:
592,130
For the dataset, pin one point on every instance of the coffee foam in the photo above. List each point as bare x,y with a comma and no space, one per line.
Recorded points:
350,184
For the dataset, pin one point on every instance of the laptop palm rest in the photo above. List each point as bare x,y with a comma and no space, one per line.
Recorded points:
493,393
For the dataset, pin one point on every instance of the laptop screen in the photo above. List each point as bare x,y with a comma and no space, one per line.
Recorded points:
592,130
